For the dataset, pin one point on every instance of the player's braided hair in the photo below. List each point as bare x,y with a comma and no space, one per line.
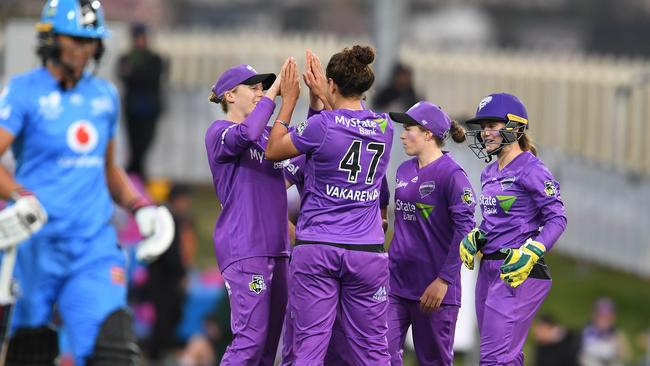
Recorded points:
350,70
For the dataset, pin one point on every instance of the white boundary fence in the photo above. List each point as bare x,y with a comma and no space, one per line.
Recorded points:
590,116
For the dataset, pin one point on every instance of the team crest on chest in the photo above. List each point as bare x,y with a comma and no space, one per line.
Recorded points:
507,182
426,188
50,105
257,284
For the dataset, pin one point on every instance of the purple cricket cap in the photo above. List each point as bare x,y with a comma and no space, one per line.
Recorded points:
240,74
604,306
500,107
427,115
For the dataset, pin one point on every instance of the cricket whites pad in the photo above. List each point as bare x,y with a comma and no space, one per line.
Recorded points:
33,347
116,342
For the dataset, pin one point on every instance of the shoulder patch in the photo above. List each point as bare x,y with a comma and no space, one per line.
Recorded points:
549,188
301,127
468,196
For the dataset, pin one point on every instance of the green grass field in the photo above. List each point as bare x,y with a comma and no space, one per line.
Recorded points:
576,284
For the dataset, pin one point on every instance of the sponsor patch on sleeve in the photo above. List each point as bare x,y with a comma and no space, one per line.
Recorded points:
468,196
550,189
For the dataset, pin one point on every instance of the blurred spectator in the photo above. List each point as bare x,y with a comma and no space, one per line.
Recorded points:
602,343
399,94
166,284
555,345
208,347
141,71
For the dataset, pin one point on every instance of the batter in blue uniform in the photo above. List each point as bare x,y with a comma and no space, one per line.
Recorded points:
60,121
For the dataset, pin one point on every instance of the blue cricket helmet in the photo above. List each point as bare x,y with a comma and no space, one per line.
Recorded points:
76,18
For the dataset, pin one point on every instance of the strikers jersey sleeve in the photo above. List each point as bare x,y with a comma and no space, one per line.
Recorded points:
309,134
544,191
13,109
115,115
226,140
461,207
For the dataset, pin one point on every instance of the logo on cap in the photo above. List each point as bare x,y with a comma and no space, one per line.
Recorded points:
249,67
484,102
82,137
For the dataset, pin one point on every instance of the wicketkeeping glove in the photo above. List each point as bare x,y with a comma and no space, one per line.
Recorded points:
470,245
519,262
156,226
20,221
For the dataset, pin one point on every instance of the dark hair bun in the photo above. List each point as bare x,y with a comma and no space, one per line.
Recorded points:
363,54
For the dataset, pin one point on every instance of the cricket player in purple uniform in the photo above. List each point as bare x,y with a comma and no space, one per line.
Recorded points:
339,262
251,237
338,349
523,217
434,210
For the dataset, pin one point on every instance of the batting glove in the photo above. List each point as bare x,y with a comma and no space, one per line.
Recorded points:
19,221
519,262
470,245
156,226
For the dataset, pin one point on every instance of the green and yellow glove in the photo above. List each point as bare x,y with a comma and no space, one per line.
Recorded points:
519,262
470,245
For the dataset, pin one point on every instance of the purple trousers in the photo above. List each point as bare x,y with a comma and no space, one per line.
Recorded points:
433,334
337,352
504,314
257,288
326,279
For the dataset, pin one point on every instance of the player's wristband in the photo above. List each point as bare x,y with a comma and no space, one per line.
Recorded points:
285,124
137,203
21,192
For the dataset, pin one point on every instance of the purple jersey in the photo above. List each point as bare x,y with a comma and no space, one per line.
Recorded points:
517,201
294,173
434,210
251,189
347,154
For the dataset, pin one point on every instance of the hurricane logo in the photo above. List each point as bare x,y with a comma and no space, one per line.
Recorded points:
468,196
484,102
82,137
257,284
549,188
426,188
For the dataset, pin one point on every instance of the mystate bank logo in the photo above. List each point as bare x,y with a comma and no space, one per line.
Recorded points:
82,137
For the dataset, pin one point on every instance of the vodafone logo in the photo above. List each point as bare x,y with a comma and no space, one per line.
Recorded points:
82,137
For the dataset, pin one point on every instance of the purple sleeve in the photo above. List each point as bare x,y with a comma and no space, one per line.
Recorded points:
384,194
544,190
309,134
461,200
312,112
294,172
230,140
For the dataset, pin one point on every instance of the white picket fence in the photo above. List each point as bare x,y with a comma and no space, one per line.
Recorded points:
589,115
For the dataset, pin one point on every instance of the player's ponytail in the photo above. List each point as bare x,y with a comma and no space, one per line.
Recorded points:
457,132
526,144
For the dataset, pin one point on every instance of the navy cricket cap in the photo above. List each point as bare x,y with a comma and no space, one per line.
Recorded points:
502,107
236,75
427,115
